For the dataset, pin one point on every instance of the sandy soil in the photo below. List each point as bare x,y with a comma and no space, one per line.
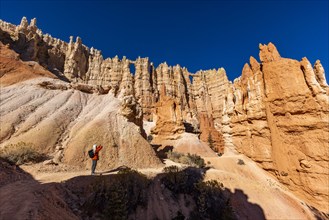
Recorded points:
255,194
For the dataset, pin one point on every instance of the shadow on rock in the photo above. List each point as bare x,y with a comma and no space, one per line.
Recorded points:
242,207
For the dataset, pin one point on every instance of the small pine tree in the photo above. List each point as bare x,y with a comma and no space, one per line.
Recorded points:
211,143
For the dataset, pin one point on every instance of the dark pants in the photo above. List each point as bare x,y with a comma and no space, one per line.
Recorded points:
93,166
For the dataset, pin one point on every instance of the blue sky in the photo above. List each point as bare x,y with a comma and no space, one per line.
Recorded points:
195,34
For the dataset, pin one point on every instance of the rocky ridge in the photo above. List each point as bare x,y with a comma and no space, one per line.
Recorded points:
276,113
77,63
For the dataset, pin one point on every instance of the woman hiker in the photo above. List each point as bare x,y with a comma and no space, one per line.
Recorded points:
96,149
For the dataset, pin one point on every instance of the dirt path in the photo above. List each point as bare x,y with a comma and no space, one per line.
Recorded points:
248,182
254,193
267,197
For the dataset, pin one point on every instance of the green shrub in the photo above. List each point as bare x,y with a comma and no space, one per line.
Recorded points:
197,160
21,153
210,141
174,179
171,169
210,200
117,196
174,156
241,162
189,159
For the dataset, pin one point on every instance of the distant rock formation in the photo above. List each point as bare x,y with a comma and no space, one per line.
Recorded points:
79,64
276,113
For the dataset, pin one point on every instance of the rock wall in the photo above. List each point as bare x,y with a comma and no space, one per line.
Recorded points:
168,116
75,62
75,65
208,92
277,114
209,134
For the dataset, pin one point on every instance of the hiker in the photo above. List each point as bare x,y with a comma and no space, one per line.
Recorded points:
95,158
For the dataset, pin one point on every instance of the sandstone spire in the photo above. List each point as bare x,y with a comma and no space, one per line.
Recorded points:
33,25
254,65
320,75
310,77
75,66
23,25
268,53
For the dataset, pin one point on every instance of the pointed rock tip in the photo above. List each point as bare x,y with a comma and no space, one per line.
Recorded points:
78,40
268,53
246,71
318,62
270,44
252,60
33,22
272,47
24,22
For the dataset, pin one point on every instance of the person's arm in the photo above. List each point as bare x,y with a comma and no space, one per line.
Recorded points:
99,148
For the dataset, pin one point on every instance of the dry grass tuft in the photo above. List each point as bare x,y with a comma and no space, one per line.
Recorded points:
21,153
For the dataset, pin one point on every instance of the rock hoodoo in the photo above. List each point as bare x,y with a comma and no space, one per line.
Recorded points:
279,118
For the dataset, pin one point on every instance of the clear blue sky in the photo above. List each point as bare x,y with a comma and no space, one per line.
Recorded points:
194,34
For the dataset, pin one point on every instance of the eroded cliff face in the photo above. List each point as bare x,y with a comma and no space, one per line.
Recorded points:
169,118
208,90
279,118
76,63
276,113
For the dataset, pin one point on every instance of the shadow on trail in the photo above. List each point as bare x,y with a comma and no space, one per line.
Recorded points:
128,194
22,197
173,194
120,168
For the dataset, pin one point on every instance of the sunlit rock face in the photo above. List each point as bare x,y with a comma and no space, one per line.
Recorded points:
276,112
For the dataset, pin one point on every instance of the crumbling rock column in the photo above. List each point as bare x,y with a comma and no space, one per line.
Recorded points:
268,53
209,92
168,117
143,88
310,77
320,75
95,60
209,134
127,83
76,65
